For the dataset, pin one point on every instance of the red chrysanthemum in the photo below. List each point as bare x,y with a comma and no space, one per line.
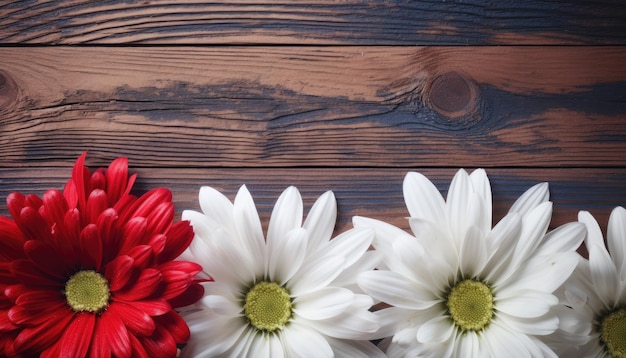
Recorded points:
89,272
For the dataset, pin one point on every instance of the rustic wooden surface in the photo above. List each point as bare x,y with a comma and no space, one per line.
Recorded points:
345,96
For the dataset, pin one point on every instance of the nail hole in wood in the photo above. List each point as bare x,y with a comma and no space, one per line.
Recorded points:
452,95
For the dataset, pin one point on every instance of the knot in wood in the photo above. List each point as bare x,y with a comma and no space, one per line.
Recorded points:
452,95
8,90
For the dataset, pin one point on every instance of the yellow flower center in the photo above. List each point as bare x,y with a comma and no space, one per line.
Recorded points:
613,333
87,291
470,304
268,306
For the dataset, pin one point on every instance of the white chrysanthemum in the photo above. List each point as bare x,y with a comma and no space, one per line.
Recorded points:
594,297
292,295
459,288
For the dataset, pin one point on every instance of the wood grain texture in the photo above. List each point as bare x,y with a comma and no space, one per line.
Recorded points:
399,22
316,106
366,192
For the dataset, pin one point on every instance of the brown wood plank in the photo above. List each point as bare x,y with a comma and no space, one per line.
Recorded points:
368,192
404,22
316,106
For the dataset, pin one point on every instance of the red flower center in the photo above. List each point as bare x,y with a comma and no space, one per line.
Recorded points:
87,291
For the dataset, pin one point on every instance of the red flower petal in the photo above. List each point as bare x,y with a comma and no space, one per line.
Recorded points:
90,248
179,237
152,307
173,323
116,179
24,317
38,338
12,240
45,257
136,320
161,218
77,336
191,295
134,234
178,276
138,350
143,256
24,271
5,324
98,180
35,300
160,345
70,193
118,272
109,234
158,243
55,206
147,283
110,336
33,226
148,202
79,174
97,202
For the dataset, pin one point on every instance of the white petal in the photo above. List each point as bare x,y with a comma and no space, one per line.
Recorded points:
211,334
355,323
228,256
351,244
386,233
460,196
287,256
436,330
531,199
276,346
603,271
303,341
526,303
423,199
222,305
316,274
482,187
348,277
354,349
286,216
468,345
248,226
320,222
543,273
501,245
409,260
540,326
565,238
534,227
395,289
216,206
324,303
473,253
504,343
616,239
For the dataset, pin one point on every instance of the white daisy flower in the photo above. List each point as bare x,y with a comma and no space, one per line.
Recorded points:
292,295
460,288
594,297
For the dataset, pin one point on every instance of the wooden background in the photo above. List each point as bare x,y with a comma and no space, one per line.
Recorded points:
325,95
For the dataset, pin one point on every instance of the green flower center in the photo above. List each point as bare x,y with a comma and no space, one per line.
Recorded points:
613,333
268,306
471,305
87,291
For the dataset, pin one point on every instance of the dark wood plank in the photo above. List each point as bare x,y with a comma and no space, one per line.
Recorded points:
367,192
403,22
316,106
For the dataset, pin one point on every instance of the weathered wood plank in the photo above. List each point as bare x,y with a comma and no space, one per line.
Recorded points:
402,22
316,106
368,192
